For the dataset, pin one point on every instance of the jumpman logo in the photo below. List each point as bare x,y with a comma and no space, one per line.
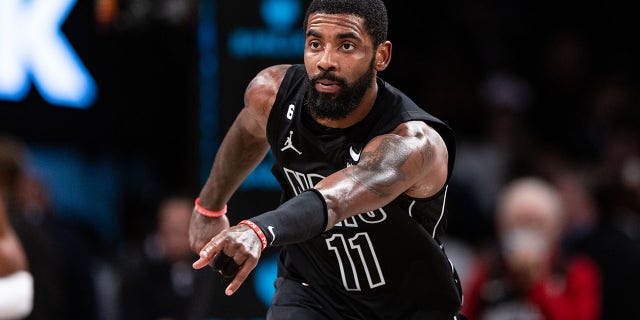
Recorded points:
289,144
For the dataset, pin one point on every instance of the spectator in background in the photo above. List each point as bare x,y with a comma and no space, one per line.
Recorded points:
615,245
529,276
160,284
488,159
572,180
51,293
16,282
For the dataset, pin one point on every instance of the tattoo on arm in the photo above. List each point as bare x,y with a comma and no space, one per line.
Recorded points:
379,169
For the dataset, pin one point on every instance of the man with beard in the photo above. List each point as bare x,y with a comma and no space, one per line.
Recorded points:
364,173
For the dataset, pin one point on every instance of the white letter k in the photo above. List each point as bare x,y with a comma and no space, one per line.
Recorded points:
31,42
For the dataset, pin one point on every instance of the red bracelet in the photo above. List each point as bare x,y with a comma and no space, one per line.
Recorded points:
257,230
210,213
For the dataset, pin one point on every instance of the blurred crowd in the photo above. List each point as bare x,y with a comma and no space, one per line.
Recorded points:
543,207
534,90
74,275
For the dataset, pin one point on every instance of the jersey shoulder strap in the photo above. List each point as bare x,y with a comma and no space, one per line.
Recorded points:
399,108
291,91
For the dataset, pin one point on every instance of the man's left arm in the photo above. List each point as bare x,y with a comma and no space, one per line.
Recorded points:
412,159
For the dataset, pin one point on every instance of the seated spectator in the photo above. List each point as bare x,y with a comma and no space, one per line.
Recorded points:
160,283
528,276
51,298
16,282
615,245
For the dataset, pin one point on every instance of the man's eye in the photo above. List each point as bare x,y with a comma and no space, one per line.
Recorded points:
347,46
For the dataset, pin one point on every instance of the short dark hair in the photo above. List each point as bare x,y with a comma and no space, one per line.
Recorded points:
373,12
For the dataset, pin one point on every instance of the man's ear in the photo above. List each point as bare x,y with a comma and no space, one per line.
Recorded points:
383,56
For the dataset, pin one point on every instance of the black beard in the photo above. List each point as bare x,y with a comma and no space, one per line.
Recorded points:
336,107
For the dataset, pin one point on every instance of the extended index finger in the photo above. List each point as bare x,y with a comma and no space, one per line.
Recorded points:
242,275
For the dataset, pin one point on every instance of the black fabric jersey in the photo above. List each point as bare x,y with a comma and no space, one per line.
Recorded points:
383,264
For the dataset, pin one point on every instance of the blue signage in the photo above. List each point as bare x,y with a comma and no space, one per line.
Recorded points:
280,39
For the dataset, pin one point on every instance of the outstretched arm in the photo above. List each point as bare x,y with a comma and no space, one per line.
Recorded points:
412,159
242,149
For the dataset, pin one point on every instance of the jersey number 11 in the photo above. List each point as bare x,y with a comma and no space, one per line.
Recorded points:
368,263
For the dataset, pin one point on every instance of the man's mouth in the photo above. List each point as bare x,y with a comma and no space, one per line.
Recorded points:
327,86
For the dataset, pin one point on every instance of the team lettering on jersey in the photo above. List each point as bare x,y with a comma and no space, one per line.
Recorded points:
300,182
355,255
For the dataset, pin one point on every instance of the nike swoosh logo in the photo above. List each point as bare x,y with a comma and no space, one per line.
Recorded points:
273,235
354,155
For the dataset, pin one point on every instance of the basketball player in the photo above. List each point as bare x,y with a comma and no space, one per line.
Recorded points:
364,173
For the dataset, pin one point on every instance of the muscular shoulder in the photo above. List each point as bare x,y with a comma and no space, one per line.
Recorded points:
429,156
263,88
416,129
420,136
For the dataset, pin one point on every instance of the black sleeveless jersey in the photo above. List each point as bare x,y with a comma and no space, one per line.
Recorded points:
383,264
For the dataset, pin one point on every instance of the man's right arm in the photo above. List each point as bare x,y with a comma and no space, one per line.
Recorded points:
242,149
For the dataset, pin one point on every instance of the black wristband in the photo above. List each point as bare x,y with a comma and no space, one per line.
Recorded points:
300,218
